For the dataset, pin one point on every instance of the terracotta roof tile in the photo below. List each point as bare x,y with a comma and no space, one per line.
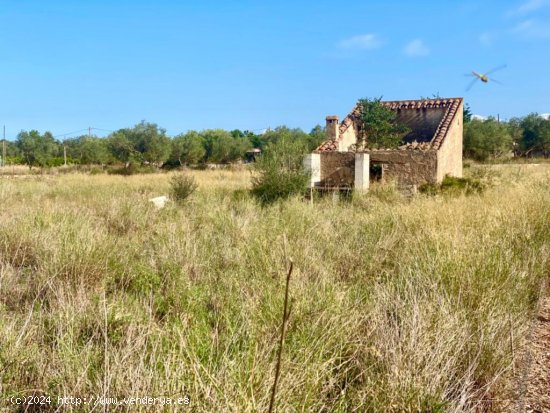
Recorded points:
451,104
327,146
440,133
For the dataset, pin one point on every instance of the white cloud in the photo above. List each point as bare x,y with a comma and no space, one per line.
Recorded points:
524,26
362,42
479,117
527,7
416,48
486,39
545,116
532,5
532,29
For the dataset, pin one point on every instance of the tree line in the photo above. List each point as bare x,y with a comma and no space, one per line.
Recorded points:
528,136
147,143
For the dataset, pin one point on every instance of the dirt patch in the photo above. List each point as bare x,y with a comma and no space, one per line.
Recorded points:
537,389
533,384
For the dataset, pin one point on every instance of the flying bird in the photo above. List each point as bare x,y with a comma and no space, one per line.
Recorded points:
483,77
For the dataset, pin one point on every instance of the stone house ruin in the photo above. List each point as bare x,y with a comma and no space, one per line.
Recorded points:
431,150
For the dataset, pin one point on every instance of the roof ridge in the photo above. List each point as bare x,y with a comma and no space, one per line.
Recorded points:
445,123
421,100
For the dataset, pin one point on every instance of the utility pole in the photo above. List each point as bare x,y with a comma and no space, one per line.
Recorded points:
89,131
4,148
65,154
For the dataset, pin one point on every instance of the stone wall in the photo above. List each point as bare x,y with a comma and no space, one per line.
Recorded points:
348,138
449,156
422,122
406,167
337,168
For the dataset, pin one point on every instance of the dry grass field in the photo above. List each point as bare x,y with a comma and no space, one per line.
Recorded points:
397,304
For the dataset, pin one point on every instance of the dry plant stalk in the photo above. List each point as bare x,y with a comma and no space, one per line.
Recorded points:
286,314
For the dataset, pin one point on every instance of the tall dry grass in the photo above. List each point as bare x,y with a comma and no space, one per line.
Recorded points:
398,304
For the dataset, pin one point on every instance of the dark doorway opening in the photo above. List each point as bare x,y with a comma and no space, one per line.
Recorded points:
375,172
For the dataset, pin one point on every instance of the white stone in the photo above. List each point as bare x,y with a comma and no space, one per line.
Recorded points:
159,201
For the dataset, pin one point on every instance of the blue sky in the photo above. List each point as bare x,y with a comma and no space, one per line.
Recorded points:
67,65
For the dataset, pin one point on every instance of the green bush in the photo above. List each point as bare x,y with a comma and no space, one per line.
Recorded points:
55,161
15,160
182,187
132,169
280,172
274,185
171,164
454,186
96,170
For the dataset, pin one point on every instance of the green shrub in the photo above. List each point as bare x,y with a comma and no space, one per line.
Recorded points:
274,185
132,169
96,170
56,161
280,172
454,186
182,187
171,164
15,160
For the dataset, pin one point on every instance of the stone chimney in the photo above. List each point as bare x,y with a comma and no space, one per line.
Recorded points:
332,127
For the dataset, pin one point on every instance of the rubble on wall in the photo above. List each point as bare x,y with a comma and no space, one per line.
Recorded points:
415,145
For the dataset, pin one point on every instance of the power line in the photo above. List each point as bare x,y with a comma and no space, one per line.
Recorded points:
104,130
82,130
70,133
61,135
